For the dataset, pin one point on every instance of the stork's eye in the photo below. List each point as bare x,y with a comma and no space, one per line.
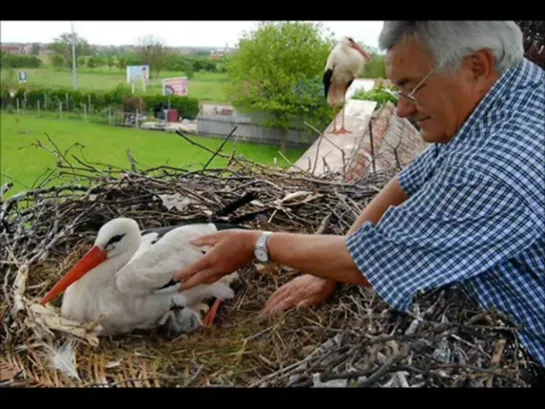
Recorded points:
115,239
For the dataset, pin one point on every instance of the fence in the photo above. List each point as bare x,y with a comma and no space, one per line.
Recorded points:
250,129
107,116
103,117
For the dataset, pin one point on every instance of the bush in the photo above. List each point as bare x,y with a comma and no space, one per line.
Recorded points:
19,61
71,100
378,94
187,107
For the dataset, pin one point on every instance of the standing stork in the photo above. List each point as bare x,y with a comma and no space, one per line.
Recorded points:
345,62
126,279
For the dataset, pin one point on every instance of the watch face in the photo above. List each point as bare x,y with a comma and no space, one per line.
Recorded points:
261,255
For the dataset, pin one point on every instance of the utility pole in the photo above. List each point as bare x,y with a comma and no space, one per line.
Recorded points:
74,70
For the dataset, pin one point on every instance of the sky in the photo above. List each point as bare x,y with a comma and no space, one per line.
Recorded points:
172,33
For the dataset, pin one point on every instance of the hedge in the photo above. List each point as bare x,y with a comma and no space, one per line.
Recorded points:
71,100
378,94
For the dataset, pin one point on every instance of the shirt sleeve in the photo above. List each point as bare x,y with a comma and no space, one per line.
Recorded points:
458,226
413,177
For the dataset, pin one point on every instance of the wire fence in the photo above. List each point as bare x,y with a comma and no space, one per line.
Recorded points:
111,115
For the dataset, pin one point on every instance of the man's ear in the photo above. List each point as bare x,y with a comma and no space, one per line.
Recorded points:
480,69
483,65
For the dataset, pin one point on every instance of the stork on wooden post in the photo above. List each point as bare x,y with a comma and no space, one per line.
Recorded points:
345,62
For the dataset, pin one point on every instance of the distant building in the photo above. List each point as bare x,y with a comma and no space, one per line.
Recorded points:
218,54
12,49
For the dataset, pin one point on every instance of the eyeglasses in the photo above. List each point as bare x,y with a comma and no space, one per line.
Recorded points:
410,96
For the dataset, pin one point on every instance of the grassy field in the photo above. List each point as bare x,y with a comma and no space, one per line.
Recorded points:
206,86
22,163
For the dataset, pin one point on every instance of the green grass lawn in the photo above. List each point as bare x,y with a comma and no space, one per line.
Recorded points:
205,86
22,163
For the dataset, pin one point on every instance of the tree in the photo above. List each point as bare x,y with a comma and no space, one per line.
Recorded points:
110,61
35,49
63,46
100,60
533,32
57,61
121,62
277,71
91,62
152,52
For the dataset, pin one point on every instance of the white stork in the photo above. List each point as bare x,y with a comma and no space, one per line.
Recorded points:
127,279
345,62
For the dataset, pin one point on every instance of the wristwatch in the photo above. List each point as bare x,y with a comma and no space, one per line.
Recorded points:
261,251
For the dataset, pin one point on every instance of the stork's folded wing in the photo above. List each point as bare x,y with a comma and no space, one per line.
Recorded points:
155,267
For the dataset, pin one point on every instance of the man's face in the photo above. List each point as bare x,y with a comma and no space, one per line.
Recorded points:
444,101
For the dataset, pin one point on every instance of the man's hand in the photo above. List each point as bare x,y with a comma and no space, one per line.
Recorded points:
305,290
231,250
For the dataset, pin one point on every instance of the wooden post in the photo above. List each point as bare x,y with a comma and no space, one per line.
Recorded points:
67,106
38,107
45,101
89,101
110,114
85,112
60,109
372,145
17,106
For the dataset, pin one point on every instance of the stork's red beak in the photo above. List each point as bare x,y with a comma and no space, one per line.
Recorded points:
362,51
90,260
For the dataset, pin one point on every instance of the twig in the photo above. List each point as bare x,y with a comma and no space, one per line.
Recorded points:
219,148
178,132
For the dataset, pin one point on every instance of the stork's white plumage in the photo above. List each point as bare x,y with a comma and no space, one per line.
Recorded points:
127,279
345,62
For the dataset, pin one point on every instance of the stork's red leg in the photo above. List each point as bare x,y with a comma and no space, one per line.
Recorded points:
211,315
343,129
334,110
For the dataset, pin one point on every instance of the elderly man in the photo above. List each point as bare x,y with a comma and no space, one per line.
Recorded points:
470,211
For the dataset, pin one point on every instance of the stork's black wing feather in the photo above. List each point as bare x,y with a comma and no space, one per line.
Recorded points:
327,80
169,284
219,223
226,226
230,208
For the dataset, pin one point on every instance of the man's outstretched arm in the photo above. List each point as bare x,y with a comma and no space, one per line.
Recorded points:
321,255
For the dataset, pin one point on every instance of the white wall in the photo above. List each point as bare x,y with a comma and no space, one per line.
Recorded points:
360,84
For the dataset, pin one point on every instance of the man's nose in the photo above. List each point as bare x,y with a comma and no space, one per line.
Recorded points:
405,108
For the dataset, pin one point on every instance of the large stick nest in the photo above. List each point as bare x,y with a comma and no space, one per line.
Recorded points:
352,339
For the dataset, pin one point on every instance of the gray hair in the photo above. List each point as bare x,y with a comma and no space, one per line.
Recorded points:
450,41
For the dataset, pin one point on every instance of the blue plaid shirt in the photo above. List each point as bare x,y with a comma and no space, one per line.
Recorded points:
475,217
